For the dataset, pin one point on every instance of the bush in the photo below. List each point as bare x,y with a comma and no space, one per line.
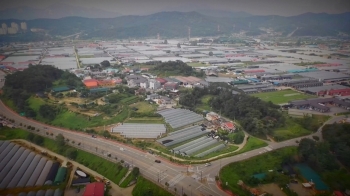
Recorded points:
316,138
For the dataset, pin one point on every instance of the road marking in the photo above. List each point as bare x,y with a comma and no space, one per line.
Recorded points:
176,179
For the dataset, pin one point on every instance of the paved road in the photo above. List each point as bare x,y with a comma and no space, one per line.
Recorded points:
186,179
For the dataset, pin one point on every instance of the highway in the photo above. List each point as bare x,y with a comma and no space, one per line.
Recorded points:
185,178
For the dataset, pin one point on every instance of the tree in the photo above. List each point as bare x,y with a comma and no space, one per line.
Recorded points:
165,42
105,63
47,111
38,140
71,153
210,53
178,45
30,136
60,140
136,171
106,134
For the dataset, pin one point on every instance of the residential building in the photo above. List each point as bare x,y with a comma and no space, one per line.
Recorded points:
4,26
12,30
171,86
228,126
212,116
3,31
144,84
154,84
14,25
23,25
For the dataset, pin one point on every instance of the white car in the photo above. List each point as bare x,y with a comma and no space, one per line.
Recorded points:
207,164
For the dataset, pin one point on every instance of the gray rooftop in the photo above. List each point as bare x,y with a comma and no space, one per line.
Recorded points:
134,130
325,75
324,88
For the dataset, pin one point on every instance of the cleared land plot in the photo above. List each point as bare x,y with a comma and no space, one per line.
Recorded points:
143,107
205,103
283,96
182,135
180,117
134,130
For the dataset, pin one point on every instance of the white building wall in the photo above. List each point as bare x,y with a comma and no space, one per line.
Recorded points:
144,84
154,84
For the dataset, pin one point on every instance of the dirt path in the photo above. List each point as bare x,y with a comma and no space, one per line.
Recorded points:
115,189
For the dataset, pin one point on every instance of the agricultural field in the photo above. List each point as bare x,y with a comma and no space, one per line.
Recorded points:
297,127
143,107
283,96
244,170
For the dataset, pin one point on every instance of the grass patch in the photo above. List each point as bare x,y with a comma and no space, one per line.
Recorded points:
121,175
205,103
283,96
130,100
35,103
147,120
290,130
146,187
77,121
143,107
197,65
252,144
243,170
128,180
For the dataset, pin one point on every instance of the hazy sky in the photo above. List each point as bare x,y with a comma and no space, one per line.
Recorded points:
141,7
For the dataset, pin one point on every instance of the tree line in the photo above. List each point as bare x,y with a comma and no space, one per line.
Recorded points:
176,68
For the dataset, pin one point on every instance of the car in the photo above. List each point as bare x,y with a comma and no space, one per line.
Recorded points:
157,161
207,164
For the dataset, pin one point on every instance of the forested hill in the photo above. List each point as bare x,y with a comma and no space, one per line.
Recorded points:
176,24
20,85
175,68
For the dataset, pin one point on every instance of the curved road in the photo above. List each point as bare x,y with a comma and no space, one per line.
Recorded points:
186,179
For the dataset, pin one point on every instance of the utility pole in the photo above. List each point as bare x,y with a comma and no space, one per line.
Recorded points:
201,176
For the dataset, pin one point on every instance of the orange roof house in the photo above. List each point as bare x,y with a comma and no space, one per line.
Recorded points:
106,83
228,126
91,83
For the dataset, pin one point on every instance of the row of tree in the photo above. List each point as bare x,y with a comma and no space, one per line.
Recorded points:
176,68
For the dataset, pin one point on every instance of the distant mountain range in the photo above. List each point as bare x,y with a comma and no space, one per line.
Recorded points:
176,24
55,11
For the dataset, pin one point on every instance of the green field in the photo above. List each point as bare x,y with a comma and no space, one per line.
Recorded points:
146,187
243,170
252,143
197,65
35,103
143,107
283,96
290,130
293,128
147,120
205,103
76,121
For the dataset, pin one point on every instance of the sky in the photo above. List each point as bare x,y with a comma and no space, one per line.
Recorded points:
143,7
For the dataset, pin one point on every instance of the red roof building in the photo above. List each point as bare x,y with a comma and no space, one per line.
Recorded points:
229,126
337,193
2,57
161,80
94,189
254,71
91,83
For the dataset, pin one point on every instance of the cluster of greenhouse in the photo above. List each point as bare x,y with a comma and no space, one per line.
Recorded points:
195,146
136,130
182,135
48,192
20,167
178,118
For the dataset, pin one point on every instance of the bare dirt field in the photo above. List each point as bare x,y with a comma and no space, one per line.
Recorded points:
272,189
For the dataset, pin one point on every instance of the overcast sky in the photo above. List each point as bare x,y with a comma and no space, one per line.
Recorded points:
142,7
